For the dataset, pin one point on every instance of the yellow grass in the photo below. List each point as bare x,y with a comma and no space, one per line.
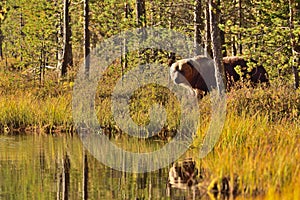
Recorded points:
260,142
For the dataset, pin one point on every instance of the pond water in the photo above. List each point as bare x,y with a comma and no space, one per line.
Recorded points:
57,167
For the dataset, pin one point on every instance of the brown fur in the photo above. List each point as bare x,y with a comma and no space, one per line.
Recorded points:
186,73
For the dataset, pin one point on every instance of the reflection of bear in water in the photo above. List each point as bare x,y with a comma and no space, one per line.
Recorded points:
183,174
185,72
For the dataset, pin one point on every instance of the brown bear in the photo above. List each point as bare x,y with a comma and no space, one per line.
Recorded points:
258,74
185,72
198,74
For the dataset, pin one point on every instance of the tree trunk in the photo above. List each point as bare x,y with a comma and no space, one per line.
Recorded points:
21,35
86,38
152,13
207,43
171,55
3,13
233,37
198,25
294,45
240,26
222,33
85,175
216,44
141,22
59,38
297,13
66,177
124,59
233,47
67,50
1,43
41,68
141,13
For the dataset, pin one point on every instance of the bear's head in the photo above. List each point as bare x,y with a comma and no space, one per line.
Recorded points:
183,72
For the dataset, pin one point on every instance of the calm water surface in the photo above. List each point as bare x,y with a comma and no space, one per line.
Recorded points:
57,167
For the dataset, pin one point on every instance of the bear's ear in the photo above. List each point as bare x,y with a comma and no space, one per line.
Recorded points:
170,62
171,59
175,66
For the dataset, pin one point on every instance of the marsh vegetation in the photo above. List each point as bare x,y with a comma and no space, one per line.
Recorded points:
41,156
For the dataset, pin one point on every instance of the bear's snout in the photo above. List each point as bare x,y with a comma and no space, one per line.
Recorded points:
177,77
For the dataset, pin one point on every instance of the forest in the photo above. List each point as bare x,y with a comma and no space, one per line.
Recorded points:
32,32
44,43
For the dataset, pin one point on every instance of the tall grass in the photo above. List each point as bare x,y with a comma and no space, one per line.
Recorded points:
264,155
23,111
27,106
259,143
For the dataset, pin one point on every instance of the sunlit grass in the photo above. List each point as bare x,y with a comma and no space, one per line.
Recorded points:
264,156
25,111
260,142
26,106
